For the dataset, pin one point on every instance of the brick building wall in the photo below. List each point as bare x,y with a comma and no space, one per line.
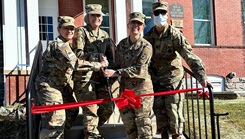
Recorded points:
72,8
221,61
229,23
15,88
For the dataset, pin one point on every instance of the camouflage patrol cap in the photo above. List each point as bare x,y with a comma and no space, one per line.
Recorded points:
94,9
66,21
162,5
137,16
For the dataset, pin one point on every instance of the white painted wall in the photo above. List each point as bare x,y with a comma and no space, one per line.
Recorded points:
33,27
217,82
14,49
120,20
136,6
10,35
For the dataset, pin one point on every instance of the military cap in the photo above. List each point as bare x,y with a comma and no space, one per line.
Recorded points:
94,9
137,16
160,6
66,21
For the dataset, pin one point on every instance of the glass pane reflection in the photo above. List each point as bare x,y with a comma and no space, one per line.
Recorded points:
202,32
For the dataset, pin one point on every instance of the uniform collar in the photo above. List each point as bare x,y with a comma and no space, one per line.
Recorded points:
135,45
164,33
92,34
60,38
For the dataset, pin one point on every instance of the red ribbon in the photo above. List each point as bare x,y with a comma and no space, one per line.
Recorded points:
206,94
126,99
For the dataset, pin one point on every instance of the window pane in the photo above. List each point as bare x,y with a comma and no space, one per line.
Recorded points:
202,32
40,28
50,28
43,36
40,36
201,9
50,36
43,19
105,22
243,11
147,10
50,20
148,25
147,7
40,19
44,28
106,29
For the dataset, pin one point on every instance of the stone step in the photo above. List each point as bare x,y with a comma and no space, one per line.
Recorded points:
112,129
108,131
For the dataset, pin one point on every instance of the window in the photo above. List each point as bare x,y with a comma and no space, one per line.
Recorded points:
106,25
147,10
46,31
243,15
203,34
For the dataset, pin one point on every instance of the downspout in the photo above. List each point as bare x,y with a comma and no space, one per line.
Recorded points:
26,33
28,96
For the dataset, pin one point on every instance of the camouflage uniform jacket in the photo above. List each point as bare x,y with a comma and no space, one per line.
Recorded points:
59,62
132,62
89,46
166,66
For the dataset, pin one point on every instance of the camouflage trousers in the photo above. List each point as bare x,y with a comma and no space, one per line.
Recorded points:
105,109
90,118
49,94
169,114
138,122
93,115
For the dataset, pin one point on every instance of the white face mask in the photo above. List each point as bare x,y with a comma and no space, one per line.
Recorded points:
160,20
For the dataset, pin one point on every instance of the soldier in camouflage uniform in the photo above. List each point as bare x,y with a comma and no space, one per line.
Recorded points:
133,58
54,84
167,72
91,43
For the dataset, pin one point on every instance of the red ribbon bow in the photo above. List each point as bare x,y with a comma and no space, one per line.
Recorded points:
129,100
126,99
206,94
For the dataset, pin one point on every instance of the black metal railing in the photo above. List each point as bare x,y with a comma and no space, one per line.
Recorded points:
33,121
196,109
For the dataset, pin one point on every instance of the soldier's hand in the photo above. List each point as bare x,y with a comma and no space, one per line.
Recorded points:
109,73
206,83
104,62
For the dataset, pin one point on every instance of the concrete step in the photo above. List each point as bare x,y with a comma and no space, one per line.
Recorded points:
112,129
108,131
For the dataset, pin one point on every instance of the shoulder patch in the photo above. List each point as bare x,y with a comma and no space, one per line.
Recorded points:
143,56
63,47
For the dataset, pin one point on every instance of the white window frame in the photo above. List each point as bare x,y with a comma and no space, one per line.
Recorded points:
211,25
47,31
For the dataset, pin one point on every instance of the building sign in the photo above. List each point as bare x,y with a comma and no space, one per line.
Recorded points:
177,23
176,11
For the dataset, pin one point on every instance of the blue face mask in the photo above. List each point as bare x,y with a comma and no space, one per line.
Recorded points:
160,20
